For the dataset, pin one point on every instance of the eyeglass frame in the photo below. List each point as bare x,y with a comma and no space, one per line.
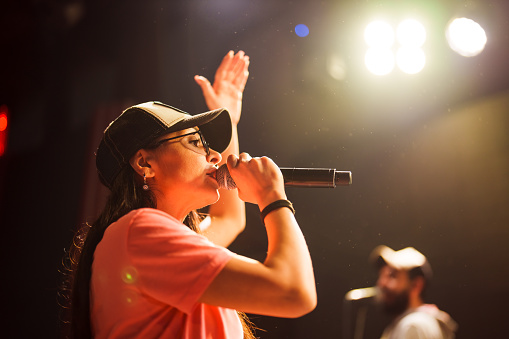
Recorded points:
202,138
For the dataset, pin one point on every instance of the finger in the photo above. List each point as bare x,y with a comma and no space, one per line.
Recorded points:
225,65
231,70
237,61
244,157
239,72
206,87
232,161
241,79
202,81
238,64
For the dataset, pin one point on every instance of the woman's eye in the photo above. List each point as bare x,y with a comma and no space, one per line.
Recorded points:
195,142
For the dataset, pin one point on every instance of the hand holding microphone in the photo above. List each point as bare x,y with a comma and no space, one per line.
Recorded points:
260,180
297,177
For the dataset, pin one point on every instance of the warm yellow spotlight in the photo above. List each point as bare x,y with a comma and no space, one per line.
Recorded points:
411,33
410,60
379,61
379,34
466,37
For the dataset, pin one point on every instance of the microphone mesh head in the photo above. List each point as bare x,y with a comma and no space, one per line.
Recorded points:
224,178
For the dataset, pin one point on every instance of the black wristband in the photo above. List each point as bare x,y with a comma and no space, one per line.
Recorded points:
274,206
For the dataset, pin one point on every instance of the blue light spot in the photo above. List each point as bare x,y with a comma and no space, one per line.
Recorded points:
301,30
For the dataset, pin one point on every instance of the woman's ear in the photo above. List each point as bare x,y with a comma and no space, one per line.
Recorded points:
141,164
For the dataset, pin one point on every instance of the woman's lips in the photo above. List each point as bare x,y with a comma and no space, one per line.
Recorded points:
212,173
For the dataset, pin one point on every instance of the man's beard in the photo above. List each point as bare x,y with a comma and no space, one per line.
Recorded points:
397,305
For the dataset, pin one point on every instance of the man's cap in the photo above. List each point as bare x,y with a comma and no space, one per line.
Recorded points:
140,125
404,259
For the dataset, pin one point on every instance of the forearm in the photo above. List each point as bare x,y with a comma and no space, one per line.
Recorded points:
283,285
288,256
228,216
228,213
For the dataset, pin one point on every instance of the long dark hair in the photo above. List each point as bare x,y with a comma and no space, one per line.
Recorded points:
126,195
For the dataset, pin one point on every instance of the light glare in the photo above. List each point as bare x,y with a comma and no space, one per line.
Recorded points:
411,32
379,61
336,67
466,37
379,34
410,60
3,122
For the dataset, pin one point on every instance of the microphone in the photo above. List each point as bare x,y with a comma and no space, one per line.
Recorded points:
296,177
361,293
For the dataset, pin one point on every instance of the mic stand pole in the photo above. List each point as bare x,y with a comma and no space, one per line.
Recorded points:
360,318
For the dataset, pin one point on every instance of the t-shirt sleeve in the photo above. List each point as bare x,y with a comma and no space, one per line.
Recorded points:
174,264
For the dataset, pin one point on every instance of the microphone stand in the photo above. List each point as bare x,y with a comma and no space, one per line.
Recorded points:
360,318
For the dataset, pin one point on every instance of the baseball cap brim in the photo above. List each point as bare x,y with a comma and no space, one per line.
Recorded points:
215,126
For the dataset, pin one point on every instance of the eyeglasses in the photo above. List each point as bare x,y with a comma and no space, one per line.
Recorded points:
195,144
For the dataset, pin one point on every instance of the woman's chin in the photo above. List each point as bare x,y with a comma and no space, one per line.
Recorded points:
210,198
218,195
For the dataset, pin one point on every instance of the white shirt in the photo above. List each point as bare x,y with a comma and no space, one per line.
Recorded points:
423,322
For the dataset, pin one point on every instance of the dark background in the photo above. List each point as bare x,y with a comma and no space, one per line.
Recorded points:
429,153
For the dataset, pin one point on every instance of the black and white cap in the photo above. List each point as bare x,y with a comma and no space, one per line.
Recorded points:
140,125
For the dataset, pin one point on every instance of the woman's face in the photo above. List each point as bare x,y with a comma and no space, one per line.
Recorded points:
183,170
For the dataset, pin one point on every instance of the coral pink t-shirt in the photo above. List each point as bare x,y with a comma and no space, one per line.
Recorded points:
149,271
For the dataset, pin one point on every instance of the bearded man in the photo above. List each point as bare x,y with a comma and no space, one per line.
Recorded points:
403,277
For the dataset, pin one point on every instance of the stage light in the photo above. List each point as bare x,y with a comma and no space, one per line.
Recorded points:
379,61
379,34
3,122
411,33
380,58
4,125
301,30
466,37
410,60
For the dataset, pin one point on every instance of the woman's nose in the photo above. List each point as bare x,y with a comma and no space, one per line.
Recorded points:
214,157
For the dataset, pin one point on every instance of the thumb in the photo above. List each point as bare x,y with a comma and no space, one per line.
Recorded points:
205,85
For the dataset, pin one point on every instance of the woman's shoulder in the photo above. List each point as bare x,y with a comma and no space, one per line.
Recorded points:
152,226
147,219
151,220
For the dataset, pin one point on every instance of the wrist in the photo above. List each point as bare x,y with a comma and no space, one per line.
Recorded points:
269,198
275,205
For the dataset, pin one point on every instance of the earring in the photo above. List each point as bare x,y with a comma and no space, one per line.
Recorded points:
145,185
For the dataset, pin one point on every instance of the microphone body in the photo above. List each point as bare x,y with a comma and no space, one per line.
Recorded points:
361,293
296,177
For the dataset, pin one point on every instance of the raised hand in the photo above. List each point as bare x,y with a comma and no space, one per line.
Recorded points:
229,82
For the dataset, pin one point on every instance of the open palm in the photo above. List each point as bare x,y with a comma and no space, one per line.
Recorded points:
229,83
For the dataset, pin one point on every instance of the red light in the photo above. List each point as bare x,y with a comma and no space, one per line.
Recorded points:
3,122
4,112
